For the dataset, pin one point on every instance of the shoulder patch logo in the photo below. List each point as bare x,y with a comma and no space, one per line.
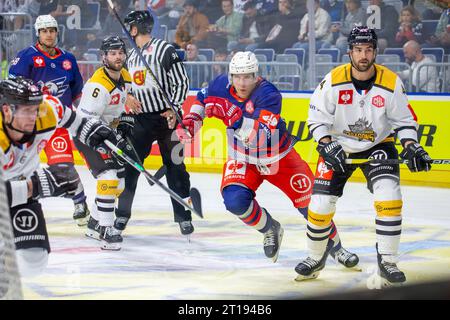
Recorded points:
249,107
67,65
345,97
378,101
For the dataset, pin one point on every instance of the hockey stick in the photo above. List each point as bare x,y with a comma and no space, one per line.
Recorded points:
158,174
195,209
390,161
149,70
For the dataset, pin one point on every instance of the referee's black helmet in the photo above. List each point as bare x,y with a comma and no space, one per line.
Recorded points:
142,19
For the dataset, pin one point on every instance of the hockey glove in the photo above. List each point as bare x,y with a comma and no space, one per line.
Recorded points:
333,155
418,158
222,109
92,132
54,181
192,122
126,125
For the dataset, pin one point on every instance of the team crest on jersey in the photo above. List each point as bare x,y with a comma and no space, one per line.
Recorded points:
249,107
345,97
300,183
115,99
67,65
378,101
55,87
41,146
362,130
39,62
235,167
139,77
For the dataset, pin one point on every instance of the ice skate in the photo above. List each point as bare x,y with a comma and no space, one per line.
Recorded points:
186,229
388,271
93,229
272,240
346,258
111,238
81,214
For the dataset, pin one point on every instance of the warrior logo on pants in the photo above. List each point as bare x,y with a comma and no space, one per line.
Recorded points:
25,221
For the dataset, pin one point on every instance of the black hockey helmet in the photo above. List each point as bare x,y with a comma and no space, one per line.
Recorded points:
362,34
112,43
142,19
19,91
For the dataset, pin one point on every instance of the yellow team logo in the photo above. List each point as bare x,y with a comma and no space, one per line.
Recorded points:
139,77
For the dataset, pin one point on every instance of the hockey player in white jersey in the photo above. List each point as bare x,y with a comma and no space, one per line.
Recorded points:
103,98
27,121
354,113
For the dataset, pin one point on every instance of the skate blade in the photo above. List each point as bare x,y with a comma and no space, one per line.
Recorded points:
314,275
111,246
280,238
387,284
93,235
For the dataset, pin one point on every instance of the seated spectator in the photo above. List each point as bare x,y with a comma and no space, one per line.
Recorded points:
192,27
283,33
53,8
389,24
171,13
227,28
410,27
356,16
441,37
198,74
334,8
322,25
427,76
255,28
221,55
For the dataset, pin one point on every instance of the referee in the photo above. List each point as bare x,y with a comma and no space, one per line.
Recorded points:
157,121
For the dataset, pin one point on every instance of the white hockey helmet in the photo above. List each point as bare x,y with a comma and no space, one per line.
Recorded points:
45,21
243,62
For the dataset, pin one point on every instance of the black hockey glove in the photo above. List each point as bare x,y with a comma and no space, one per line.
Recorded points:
54,181
126,125
333,155
93,133
418,158
123,145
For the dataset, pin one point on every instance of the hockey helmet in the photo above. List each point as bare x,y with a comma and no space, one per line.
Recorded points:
362,34
142,19
45,21
19,91
243,62
112,43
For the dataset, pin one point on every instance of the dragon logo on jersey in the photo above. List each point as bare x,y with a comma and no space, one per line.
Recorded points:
362,130
55,87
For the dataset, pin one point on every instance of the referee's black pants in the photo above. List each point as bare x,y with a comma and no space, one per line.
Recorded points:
148,128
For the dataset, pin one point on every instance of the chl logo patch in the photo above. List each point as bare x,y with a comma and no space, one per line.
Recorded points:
301,183
378,101
345,97
25,220
249,107
59,144
67,65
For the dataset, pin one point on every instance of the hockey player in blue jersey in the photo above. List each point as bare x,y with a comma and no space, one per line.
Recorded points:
56,72
260,148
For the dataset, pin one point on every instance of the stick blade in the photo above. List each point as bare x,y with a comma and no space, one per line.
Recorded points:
196,199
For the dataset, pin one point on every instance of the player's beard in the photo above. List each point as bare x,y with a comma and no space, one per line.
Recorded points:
363,67
115,66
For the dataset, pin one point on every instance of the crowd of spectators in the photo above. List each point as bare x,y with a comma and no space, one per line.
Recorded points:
231,25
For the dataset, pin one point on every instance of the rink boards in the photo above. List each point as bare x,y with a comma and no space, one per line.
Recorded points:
209,151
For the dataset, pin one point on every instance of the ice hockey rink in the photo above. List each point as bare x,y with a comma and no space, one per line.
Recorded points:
225,259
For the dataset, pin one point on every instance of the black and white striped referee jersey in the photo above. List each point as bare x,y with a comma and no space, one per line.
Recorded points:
168,69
